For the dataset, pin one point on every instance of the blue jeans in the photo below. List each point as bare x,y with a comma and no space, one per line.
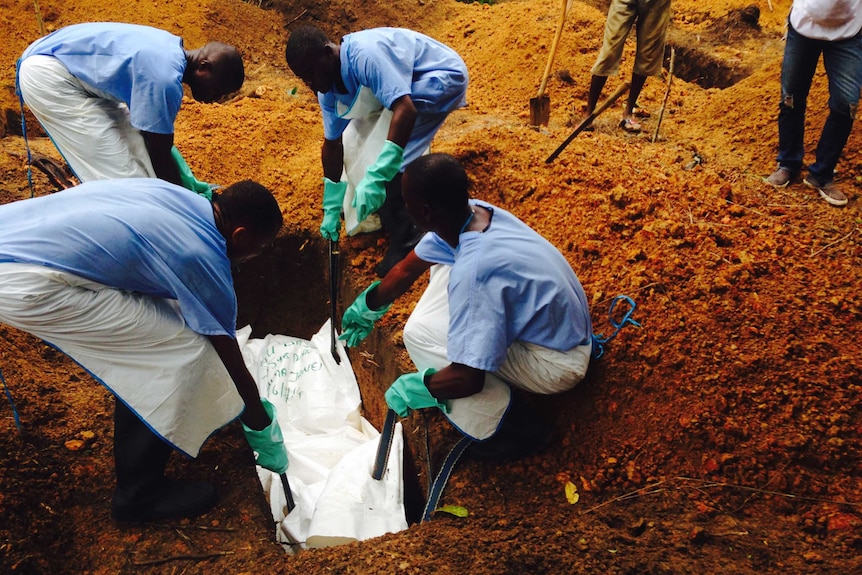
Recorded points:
843,62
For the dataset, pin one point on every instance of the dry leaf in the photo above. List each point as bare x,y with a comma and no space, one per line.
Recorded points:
572,495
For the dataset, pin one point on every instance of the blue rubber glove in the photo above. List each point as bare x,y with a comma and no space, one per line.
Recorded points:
268,442
409,392
358,320
371,191
333,198
187,179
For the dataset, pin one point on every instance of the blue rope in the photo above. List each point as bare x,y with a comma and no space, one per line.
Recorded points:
599,340
11,402
24,130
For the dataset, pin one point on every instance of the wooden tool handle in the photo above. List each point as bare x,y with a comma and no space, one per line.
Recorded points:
553,49
589,120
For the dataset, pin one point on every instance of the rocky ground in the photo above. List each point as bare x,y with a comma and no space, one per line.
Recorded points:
721,437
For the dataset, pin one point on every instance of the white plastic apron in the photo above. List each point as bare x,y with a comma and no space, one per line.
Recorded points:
362,140
530,367
91,130
137,346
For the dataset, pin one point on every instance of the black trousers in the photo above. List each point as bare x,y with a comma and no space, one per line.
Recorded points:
140,457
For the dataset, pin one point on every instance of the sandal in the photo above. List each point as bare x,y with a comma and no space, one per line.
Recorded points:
631,126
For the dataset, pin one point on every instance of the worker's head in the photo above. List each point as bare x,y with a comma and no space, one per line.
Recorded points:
434,187
249,218
313,58
214,71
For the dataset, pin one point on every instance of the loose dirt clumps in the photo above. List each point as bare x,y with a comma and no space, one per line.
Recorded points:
721,437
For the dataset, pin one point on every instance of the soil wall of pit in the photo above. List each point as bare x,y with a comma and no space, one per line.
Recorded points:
287,290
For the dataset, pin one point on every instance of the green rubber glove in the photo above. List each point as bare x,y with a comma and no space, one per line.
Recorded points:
333,198
409,392
268,442
371,191
187,179
358,320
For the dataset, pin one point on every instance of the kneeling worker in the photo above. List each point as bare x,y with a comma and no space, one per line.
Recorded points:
132,279
505,309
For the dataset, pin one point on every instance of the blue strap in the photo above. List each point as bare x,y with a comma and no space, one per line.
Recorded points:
11,402
443,476
599,340
24,130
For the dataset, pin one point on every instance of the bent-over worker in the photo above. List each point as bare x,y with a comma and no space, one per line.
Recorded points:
503,310
108,95
132,279
416,77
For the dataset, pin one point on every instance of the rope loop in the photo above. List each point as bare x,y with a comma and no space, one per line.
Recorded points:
599,340
11,402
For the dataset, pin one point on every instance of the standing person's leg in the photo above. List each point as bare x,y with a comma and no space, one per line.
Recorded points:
621,18
651,31
843,63
628,123
597,84
797,70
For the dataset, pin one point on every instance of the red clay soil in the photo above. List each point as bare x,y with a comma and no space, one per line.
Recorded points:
722,437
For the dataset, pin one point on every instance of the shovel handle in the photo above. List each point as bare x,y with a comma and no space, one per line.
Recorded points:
589,120
384,446
553,51
666,94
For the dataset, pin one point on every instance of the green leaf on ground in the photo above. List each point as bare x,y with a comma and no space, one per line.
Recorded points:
455,510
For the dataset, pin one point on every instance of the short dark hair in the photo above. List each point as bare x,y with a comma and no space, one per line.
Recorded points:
251,205
229,66
440,181
304,43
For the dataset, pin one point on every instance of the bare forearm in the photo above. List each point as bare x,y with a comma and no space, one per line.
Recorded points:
397,281
159,148
454,381
332,157
404,116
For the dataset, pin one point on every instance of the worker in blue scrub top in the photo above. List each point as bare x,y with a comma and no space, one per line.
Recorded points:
132,279
503,311
108,95
414,79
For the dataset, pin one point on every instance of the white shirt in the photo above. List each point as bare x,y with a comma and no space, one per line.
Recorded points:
827,19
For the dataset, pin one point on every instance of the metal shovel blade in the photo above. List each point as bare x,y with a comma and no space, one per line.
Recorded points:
287,493
333,298
540,110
